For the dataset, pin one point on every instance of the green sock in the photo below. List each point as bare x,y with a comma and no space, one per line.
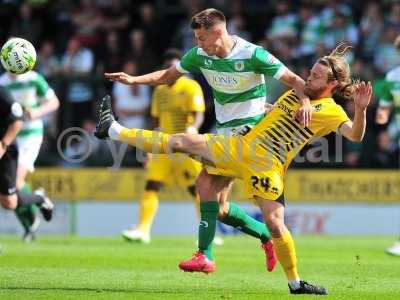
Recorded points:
25,213
208,221
241,220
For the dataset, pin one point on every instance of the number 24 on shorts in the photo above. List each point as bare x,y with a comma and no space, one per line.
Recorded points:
263,183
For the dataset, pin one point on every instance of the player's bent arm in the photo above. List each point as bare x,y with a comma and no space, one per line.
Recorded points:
297,83
355,130
49,105
166,76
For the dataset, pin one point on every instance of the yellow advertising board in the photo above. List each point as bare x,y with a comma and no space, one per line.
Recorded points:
331,186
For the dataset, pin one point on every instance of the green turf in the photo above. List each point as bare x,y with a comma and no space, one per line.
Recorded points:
109,268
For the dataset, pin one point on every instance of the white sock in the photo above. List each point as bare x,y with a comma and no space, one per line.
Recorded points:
294,284
114,130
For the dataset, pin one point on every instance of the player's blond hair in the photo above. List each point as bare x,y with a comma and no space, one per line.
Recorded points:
340,71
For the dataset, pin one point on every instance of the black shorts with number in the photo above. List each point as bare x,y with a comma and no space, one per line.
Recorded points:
8,171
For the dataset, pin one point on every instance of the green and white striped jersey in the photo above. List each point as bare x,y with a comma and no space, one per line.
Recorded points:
237,81
391,93
29,90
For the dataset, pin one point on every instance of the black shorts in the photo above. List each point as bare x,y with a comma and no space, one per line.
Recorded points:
8,171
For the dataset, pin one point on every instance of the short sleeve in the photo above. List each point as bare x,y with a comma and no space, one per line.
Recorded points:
267,64
189,62
41,86
13,109
196,97
336,118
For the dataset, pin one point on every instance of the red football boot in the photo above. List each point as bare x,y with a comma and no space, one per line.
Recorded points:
270,255
198,263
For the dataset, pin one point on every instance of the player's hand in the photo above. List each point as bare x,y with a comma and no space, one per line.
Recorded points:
268,107
362,94
304,113
120,77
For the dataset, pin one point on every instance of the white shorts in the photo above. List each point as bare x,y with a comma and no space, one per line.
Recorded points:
28,150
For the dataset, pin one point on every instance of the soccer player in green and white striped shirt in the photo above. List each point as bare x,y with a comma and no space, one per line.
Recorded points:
390,101
235,70
37,99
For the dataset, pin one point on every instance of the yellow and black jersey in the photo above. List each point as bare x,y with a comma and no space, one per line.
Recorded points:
174,105
279,135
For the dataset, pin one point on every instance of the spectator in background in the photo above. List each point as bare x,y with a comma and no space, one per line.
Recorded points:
386,56
342,30
283,25
115,16
26,26
110,56
140,52
87,20
371,28
311,32
393,18
47,62
131,103
237,26
151,28
76,64
61,25
331,9
387,152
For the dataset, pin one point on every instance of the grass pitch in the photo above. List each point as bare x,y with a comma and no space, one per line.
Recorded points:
110,268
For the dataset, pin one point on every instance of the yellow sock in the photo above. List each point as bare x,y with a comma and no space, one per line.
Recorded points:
146,140
286,253
147,210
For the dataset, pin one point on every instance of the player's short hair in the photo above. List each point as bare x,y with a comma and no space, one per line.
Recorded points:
340,71
172,53
207,19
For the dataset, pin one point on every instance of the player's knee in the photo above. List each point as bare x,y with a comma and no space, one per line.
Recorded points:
275,225
8,201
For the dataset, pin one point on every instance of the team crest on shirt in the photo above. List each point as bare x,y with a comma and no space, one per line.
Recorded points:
239,65
317,107
208,62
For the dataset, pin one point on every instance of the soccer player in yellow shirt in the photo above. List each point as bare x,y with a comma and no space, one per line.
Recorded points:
177,108
262,157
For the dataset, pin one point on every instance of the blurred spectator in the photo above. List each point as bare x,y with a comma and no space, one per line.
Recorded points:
386,56
151,28
283,25
341,30
25,25
110,57
76,64
331,9
371,28
387,152
115,16
237,26
139,52
131,103
47,62
311,32
87,20
61,25
393,18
